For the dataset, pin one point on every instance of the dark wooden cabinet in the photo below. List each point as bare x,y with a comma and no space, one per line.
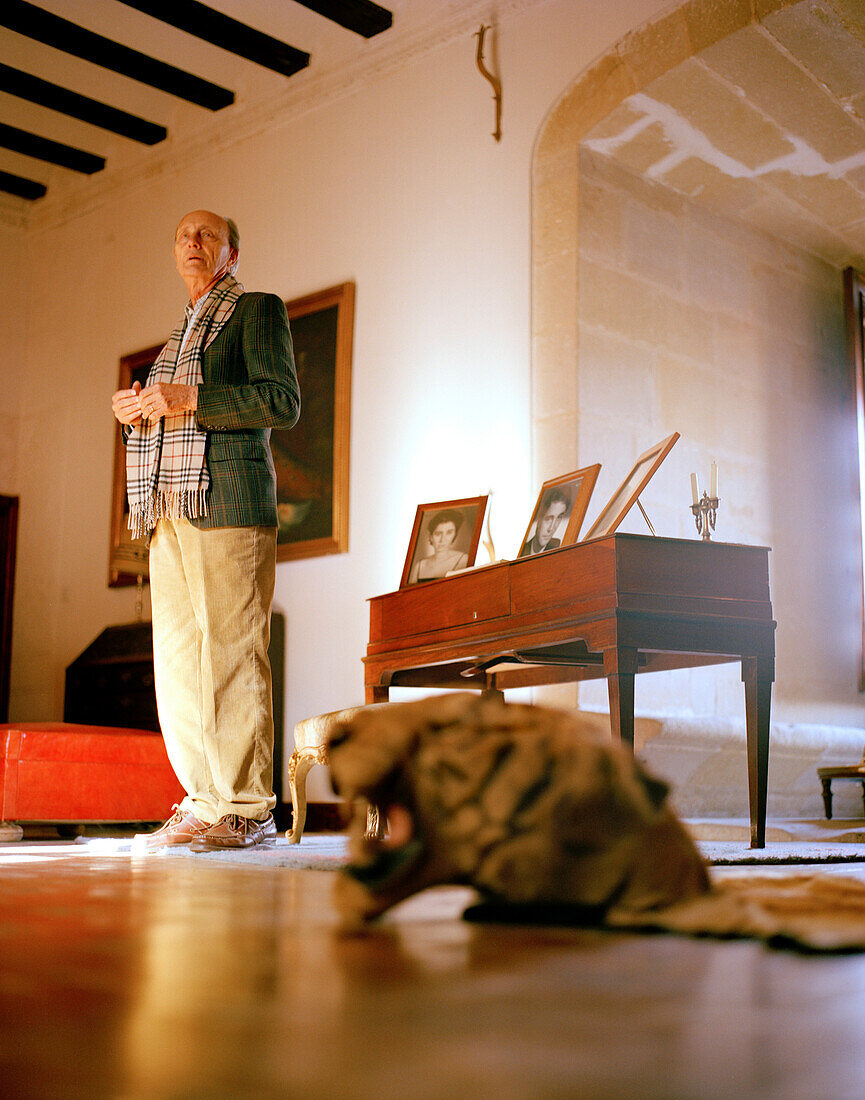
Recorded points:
111,683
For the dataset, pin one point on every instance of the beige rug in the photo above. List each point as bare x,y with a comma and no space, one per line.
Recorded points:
727,842
821,911
316,852
721,853
814,912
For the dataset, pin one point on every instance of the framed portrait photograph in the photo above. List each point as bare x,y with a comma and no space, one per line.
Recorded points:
624,498
127,557
444,538
559,511
312,458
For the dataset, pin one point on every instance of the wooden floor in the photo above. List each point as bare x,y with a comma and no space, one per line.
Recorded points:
156,978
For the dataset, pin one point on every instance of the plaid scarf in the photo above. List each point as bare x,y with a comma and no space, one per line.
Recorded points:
166,473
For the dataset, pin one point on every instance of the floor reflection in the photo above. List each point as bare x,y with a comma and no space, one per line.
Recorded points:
149,977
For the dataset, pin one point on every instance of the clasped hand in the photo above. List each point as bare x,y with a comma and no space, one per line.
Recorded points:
163,399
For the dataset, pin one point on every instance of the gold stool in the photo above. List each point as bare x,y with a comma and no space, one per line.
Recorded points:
310,747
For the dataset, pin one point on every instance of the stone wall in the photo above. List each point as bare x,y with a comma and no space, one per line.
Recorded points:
690,322
650,315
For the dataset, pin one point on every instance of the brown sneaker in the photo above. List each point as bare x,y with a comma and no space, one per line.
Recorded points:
232,832
181,828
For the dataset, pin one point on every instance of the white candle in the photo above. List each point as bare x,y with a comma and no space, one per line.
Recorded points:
695,489
714,490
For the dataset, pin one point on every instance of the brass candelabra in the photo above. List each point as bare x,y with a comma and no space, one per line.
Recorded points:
705,511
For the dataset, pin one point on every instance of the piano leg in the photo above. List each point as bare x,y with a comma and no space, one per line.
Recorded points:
620,667
757,675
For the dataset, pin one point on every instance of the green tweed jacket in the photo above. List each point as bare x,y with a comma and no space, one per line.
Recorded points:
249,386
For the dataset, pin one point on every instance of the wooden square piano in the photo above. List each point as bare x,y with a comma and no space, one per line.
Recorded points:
609,607
60,772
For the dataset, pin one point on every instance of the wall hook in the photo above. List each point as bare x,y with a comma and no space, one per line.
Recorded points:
494,80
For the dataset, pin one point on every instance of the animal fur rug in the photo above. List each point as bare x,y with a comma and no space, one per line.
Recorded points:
549,821
813,912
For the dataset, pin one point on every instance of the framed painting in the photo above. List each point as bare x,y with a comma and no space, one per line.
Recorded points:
444,538
624,498
128,557
312,458
559,511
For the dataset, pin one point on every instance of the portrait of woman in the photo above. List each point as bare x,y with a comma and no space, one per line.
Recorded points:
444,539
442,556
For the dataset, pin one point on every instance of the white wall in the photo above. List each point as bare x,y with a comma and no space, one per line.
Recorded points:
13,367
13,331
401,188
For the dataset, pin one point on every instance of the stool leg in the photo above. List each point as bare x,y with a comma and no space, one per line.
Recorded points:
827,797
863,797
298,769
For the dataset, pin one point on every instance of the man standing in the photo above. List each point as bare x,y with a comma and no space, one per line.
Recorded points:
200,479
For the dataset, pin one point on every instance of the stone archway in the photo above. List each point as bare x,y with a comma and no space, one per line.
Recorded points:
597,392
628,67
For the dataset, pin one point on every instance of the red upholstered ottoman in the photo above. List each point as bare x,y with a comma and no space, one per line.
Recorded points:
61,772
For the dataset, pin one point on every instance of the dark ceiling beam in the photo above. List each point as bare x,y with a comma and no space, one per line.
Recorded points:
36,23
31,145
36,90
227,33
361,16
23,188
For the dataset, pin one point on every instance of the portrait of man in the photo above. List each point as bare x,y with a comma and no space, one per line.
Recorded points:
559,511
549,523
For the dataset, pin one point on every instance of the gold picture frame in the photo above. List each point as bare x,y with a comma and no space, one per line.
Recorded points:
312,458
427,562
562,501
128,558
624,498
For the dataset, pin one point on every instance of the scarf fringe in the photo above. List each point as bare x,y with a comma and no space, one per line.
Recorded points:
143,517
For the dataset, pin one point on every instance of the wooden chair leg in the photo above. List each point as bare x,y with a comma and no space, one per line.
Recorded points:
298,769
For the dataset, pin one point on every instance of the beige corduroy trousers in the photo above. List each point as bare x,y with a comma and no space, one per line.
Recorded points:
211,592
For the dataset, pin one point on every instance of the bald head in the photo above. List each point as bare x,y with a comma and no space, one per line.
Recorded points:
205,248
